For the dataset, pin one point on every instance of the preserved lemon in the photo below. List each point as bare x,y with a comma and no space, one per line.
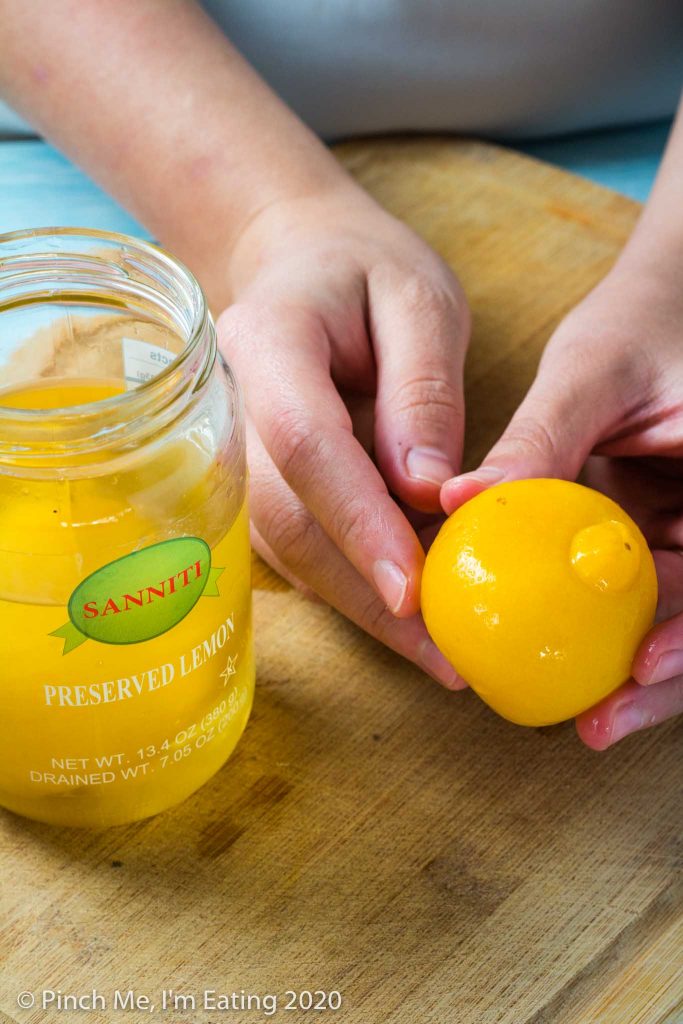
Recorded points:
126,664
103,730
539,592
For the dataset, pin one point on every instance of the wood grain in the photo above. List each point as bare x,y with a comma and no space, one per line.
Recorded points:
374,834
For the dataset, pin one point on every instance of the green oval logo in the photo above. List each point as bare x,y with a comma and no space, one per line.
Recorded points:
142,595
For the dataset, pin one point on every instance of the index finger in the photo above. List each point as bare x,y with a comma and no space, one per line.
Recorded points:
283,363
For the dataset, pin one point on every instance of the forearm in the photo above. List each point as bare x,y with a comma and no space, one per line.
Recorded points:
657,241
152,101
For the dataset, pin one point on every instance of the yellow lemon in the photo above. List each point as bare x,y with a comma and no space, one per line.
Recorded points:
539,593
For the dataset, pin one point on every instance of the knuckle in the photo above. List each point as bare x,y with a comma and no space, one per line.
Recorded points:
440,300
294,446
353,520
430,397
292,533
430,293
530,436
435,302
423,296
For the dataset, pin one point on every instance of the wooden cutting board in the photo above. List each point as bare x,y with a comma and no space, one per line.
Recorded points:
375,835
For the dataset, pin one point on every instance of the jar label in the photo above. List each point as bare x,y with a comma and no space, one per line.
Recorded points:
143,361
142,595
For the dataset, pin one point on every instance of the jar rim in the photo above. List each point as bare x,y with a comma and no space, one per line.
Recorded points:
124,399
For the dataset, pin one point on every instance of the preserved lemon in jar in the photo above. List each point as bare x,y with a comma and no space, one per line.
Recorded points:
126,661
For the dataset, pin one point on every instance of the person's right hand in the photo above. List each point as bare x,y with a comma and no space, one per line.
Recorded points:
348,334
610,386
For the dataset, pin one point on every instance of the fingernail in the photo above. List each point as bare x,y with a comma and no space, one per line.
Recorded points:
668,666
487,474
428,464
629,718
468,485
436,665
392,583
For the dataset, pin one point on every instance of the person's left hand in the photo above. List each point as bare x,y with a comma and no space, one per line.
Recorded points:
610,386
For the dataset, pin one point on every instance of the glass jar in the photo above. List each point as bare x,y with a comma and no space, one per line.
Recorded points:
126,665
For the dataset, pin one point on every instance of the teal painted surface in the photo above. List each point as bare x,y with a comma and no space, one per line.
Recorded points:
40,188
625,159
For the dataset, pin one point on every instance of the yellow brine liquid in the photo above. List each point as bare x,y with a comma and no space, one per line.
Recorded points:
126,666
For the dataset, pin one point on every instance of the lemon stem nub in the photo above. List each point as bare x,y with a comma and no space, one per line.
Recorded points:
606,556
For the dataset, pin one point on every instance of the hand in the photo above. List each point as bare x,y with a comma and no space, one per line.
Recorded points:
610,383
348,334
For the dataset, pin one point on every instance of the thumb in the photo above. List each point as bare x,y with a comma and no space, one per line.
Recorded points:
565,413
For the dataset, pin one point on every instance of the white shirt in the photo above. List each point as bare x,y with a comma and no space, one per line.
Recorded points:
491,67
